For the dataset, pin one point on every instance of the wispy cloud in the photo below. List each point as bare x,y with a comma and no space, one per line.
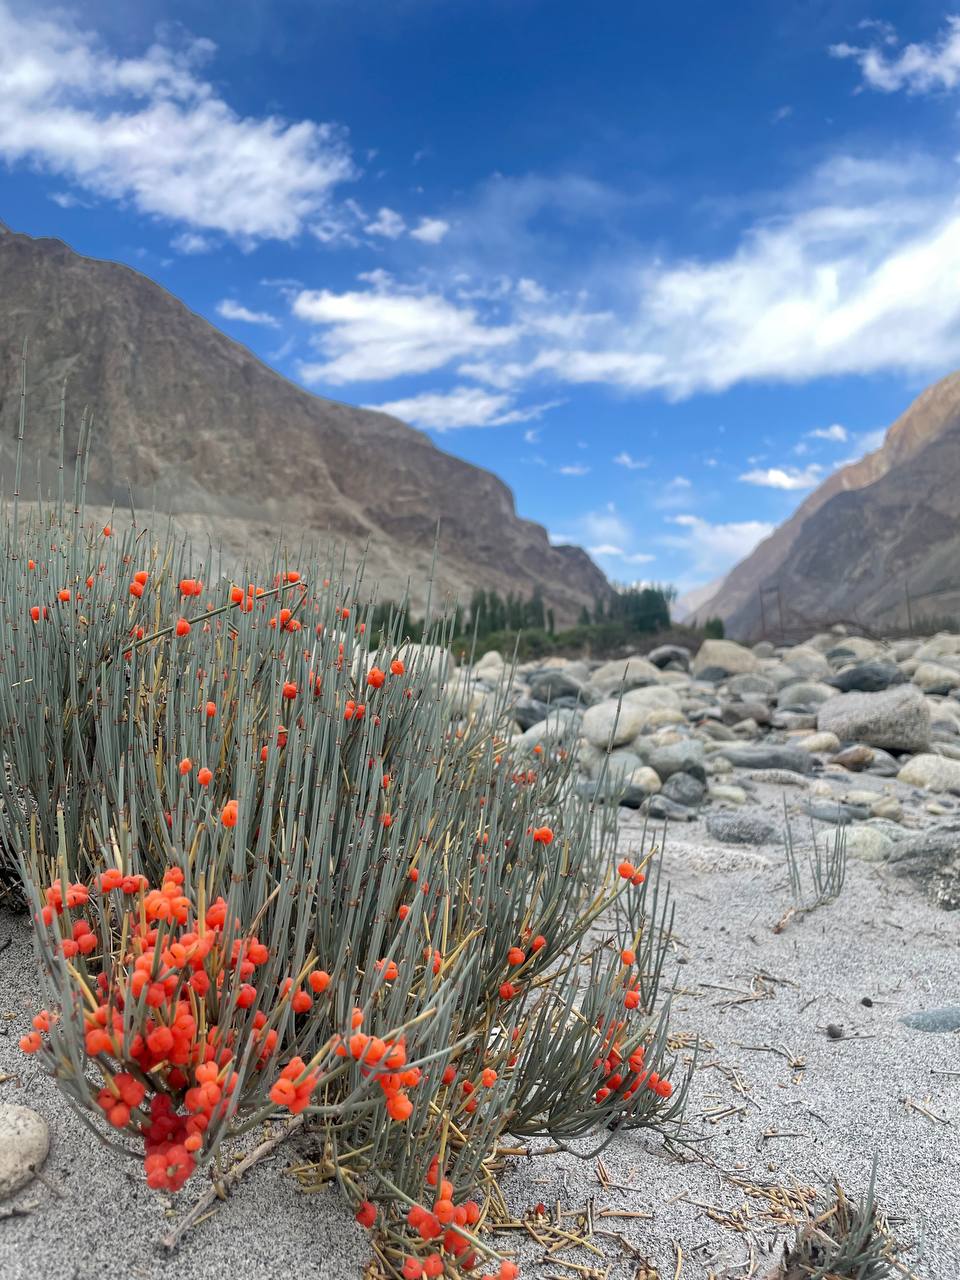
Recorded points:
430,230
712,549
624,459
574,469
926,67
189,242
461,407
231,310
789,478
150,129
384,332
836,433
388,223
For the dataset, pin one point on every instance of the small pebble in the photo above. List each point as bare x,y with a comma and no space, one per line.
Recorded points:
834,1032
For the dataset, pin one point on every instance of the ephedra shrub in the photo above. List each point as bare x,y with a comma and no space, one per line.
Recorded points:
274,870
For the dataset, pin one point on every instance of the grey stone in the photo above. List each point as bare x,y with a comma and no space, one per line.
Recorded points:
665,654
742,828
727,793
780,778
686,756
549,684
898,718
753,686
794,721
654,697
629,673
836,812
528,712
935,1020
806,661
660,807
769,755
24,1143
684,788
867,677
805,695
559,725
925,853
935,677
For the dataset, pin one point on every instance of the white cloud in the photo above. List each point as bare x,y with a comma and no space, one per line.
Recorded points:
606,549
532,436
676,493
712,549
789,478
231,310
388,223
462,407
150,130
836,433
574,469
639,557
191,242
385,332
632,464
430,230
925,67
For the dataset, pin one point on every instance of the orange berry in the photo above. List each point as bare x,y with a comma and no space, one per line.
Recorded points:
228,814
63,595
628,955
488,1077
182,628
211,710
627,870
397,667
516,955
204,776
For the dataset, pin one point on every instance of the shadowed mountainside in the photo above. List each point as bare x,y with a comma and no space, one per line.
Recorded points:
195,425
873,530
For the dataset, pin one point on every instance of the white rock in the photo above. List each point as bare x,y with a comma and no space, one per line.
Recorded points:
932,772
728,792
725,655
24,1143
820,742
630,672
806,661
935,675
945,642
867,843
490,667
624,722
653,695
646,779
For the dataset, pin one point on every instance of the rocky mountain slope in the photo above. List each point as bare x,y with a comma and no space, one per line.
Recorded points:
197,426
878,539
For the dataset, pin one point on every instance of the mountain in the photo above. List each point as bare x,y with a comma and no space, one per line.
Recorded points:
690,604
877,543
193,424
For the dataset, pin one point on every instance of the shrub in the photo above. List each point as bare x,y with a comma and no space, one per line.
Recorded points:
713,629
271,875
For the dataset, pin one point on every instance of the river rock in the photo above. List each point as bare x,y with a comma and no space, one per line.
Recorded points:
806,662
685,756
426,663
935,1020
629,672
490,667
622,720
666,654
898,718
659,806
868,844
654,695
752,686
684,788
769,755
717,659
854,758
867,677
741,828
931,772
549,684
819,742
804,695
24,1143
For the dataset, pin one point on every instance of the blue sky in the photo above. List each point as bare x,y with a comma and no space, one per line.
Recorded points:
661,267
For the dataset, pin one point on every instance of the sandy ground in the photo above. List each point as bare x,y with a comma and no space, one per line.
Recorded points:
777,1102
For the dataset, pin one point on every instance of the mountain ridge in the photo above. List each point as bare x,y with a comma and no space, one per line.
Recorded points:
893,477
195,421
